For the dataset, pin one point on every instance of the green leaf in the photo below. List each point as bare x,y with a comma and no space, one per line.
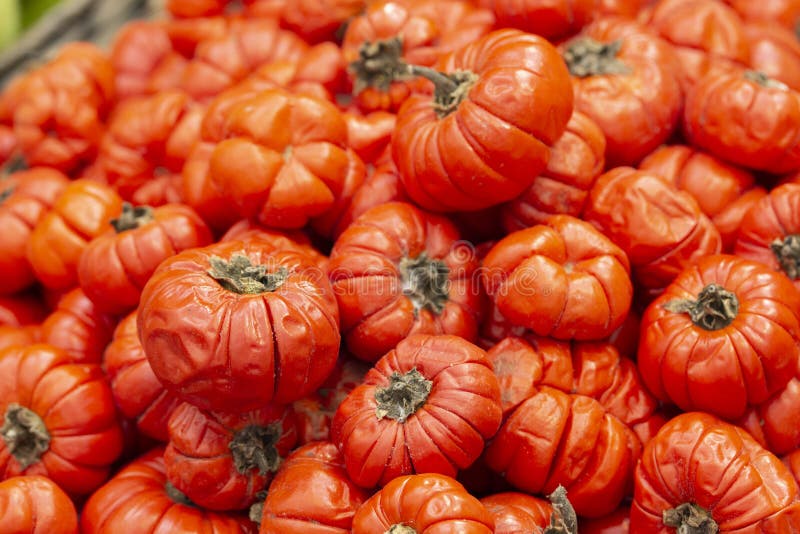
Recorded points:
9,22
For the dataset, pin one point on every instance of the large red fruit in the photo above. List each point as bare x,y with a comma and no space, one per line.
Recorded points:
625,79
25,198
770,231
576,160
697,172
562,279
82,212
426,407
36,505
311,494
141,491
146,136
78,328
746,118
237,324
660,228
59,419
271,155
426,503
722,337
398,271
117,264
707,35
702,471
515,512
221,60
556,438
221,460
61,107
485,133
138,394
423,30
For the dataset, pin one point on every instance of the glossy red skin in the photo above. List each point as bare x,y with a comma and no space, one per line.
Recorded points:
322,64
775,423
594,369
729,221
144,59
315,413
159,190
365,274
138,394
114,267
697,173
744,122
514,512
775,216
660,228
243,131
327,224
562,279
639,110
146,134
552,20
137,491
305,75
647,430
464,397
21,309
295,240
724,371
429,503
311,494
78,328
80,213
601,373
381,185
221,61
79,79
502,140
785,12
18,335
617,522
36,505
369,135
792,461
427,31
32,194
698,458
220,349
775,51
557,438
706,34
522,365
75,403
199,461
576,160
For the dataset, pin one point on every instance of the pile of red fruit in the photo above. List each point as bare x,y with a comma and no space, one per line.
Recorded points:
406,267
